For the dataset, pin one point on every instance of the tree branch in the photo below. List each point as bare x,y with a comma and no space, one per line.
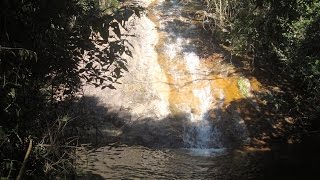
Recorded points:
23,167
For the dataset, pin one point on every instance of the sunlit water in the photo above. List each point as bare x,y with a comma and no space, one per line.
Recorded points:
179,56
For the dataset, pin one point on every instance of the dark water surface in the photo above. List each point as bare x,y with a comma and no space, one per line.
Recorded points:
137,162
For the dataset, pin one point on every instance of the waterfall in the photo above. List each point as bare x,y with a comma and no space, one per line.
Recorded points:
200,133
194,95
192,62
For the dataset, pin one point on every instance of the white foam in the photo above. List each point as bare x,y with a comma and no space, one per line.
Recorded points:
205,99
192,62
171,50
206,151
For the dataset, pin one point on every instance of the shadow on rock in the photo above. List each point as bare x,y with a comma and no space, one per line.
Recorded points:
247,126
97,125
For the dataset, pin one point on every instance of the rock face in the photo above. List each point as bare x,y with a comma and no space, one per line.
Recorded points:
137,111
173,86
143,92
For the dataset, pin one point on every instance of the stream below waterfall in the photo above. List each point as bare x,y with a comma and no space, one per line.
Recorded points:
168,122
138,162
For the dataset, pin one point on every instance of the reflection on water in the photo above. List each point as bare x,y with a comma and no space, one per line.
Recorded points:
136,162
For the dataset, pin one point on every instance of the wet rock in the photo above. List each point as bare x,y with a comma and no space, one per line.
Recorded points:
234,132
150,133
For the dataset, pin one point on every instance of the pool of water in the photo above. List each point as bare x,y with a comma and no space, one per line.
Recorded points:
138,162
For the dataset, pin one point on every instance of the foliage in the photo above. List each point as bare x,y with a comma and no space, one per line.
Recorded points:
280,35
47,49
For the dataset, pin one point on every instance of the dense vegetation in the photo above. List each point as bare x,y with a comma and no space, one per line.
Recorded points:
281,36
47,50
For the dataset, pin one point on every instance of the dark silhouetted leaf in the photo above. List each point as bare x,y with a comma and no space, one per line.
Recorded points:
117,72
127,14
122,65
82,70
116,29
110,79
129,53
137,12
111,86
89,65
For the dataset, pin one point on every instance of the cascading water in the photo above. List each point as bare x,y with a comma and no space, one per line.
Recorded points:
184,68
200,135
174,96
192,62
